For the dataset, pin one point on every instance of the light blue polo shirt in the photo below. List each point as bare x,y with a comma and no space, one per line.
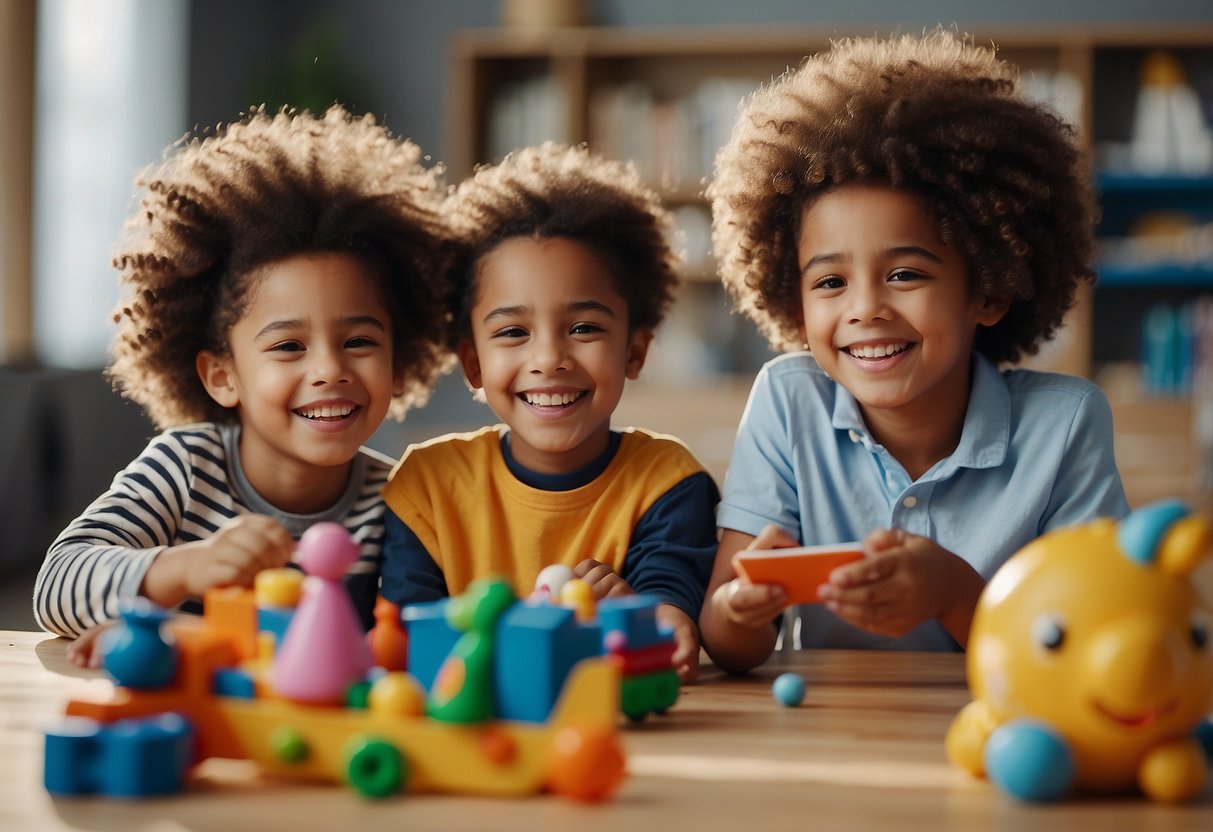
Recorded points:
1035,454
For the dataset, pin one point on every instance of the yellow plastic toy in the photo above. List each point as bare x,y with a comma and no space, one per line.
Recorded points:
1090,664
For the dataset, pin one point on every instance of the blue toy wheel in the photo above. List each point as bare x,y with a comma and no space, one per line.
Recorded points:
788,689
1029,760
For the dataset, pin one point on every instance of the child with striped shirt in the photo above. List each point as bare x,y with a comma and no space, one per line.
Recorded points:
278,306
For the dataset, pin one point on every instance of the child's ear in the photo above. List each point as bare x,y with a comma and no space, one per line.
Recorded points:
991,310
217,377
398,382
638,350
469,359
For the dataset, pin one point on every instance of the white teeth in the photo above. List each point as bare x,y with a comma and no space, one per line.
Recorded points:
878,351
551,399
326,411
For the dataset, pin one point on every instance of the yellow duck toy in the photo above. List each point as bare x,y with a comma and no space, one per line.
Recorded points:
1090,664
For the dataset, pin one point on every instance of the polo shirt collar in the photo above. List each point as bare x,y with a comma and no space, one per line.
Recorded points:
987,427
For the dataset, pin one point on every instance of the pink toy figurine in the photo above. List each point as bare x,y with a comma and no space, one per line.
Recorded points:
325,650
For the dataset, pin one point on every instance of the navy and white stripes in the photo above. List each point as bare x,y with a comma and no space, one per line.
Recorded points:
183,487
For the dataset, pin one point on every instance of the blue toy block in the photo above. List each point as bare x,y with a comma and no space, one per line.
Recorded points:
274,620
234,682
636,617
537,646
431,638
127,758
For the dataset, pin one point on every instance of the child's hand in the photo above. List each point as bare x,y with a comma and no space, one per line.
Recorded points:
604,581
752,605
232,556
84,652
241,548
686,640
904,581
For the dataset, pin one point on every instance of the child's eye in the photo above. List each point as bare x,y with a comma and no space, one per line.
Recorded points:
832,281
359,341
510,332
585,328
905,275
287,346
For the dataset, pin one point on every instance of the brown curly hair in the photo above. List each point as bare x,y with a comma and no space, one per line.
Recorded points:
935,116
268,187
558,191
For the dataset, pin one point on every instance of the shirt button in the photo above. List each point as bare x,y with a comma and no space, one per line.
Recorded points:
854,435
910,502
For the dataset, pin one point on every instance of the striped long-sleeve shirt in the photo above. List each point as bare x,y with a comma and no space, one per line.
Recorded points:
185,485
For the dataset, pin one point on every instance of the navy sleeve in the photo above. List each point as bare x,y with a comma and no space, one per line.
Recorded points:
410,575
674,545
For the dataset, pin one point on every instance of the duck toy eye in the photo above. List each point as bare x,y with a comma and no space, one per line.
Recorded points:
1049,631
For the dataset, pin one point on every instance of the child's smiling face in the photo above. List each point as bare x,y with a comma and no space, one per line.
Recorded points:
551,348
309,368
887,309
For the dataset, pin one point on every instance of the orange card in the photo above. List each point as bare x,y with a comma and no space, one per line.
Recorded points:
799,570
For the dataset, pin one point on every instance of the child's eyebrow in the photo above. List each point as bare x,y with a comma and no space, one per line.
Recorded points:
274,327
575,306
896,251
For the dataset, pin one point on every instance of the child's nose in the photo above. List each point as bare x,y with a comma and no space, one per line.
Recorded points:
868,302
328,366
549,354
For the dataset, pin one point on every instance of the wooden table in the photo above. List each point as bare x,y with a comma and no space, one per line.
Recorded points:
864,752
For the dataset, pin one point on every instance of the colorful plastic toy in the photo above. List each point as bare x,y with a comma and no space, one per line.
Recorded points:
788,689
1090,664
224,700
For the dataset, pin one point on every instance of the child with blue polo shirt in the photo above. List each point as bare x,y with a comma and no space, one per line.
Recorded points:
896,210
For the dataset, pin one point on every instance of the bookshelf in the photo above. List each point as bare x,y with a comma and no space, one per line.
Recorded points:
666,98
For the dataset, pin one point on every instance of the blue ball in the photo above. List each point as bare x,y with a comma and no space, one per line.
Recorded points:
788,689
1029,760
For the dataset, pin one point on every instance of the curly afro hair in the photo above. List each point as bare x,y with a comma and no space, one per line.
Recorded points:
558,191
934,116
269,187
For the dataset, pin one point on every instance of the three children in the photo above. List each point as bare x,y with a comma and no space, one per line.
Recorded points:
893,208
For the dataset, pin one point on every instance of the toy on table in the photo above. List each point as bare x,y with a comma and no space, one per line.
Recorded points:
1090,664
223,701
788,689
800,570
539,642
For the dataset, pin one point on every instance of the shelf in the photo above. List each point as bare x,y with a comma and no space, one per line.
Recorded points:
1176,275
1110,183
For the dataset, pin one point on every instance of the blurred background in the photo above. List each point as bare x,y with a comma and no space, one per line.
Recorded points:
93,90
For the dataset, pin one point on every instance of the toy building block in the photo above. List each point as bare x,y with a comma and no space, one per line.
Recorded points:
233,610
635,616
537,646
127,758
324,651
431,638
138,654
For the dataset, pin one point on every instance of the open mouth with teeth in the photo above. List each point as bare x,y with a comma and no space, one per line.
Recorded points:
875,352
551,399
326,413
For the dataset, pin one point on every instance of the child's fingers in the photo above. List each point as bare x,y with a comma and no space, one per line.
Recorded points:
773,537
866,571
752,605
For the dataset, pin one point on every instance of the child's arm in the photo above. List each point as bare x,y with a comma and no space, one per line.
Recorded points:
408,572
904,581
232,556
737,621
670,558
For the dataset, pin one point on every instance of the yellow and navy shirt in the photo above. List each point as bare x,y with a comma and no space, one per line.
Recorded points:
460,508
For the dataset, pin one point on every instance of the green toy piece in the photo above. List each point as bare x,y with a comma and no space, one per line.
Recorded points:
463,689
